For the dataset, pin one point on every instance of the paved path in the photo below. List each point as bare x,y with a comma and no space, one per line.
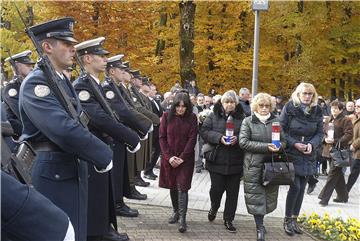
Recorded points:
199,198
152,225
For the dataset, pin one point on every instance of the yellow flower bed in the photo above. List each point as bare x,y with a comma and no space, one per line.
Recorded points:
328,228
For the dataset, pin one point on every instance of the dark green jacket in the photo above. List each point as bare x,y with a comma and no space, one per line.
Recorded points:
254,137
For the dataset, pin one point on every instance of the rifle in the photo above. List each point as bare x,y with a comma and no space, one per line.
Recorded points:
100,98
54,79
13,64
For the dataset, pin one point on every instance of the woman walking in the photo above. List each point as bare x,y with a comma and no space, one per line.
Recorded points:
226,164
178,132
302,123
255,139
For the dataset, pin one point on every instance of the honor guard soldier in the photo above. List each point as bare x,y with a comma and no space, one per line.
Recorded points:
27,215
143,102
134,161
58,132
130,117
21,65
105,124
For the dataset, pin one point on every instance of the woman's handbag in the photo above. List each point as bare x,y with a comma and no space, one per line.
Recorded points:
341,157
209,152
279,170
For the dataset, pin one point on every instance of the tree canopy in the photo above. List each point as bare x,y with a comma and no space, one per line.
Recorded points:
318,42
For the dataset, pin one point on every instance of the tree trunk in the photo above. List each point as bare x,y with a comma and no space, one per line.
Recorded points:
160,45
187,12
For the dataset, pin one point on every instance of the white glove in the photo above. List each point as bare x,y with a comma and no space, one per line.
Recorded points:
134,150
70,234
145,137
151,128
108,168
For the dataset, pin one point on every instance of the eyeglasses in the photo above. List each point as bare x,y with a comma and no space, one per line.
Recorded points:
357,106
307,93
264,105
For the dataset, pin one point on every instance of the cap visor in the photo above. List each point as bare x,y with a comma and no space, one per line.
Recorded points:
101,52
69,39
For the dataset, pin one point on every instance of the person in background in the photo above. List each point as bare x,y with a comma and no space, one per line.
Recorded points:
226,168
192,88
255,138
279,104
350,108
302,123
168,99
193,102
200,102
244,96
355,148
212,92
343,133
178,132
208,102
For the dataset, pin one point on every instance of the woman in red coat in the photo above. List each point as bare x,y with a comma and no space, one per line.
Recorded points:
178,133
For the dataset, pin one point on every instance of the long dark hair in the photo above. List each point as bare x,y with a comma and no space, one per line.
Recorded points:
184,97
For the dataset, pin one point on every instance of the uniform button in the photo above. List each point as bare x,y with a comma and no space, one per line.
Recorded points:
57,176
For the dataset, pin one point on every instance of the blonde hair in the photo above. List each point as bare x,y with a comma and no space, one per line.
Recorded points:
295,96
229,95
261,97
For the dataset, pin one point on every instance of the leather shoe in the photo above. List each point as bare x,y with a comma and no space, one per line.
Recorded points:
114,235
260,233
135,194
212,215
311,188
338,200
229,226
126,211
141,183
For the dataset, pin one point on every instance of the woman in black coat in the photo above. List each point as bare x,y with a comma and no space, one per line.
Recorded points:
301,121
224,158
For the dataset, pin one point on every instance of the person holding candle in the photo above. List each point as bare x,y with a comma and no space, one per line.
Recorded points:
338,131
260,136
302,122
220,132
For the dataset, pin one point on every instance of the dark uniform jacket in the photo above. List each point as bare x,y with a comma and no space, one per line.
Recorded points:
10,96
59,173
101,209
26,215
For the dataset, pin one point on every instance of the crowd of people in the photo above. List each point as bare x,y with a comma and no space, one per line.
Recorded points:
96,140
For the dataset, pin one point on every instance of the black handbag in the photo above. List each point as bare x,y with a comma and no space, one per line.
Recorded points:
341,157
279,170
210,152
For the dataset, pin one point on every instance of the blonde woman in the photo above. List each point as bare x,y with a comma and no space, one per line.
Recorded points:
255,139
301,121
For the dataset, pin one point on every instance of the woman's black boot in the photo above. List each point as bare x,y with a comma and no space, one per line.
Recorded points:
260,233
288,227
183,202
174,218
296,227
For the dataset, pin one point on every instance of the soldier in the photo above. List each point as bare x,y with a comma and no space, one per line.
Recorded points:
59,136
142,101
130,117
101,202
28,215
21,65
125,78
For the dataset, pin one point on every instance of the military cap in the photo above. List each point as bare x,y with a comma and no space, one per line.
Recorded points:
115,62
22,57
135,73
59,29
127,64
92,46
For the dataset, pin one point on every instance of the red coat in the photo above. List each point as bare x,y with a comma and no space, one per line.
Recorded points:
177,138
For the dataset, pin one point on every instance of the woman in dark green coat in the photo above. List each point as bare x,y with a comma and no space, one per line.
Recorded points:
255,139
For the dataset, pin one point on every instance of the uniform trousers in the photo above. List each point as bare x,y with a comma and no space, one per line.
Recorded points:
230,184
355,171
